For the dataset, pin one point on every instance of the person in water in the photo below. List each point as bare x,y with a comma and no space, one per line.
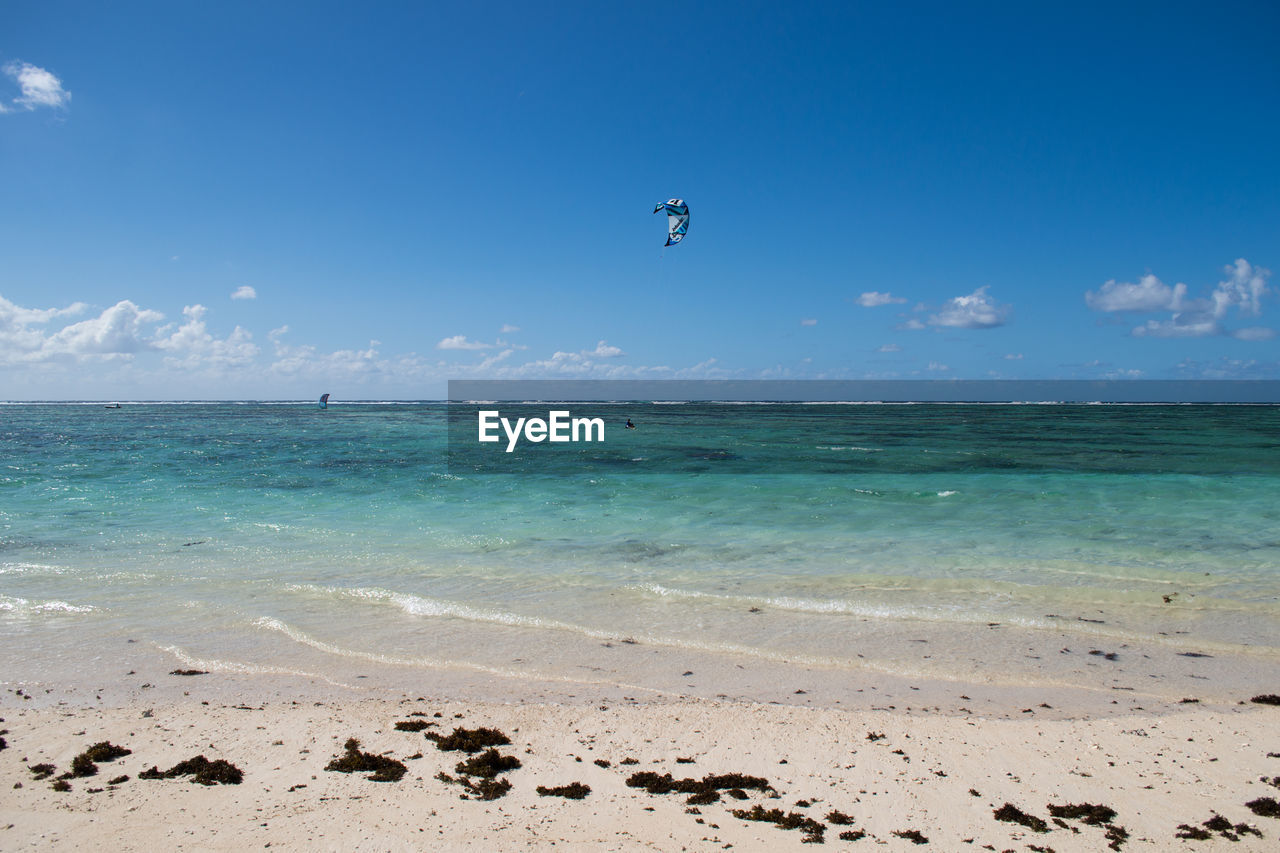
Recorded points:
630,425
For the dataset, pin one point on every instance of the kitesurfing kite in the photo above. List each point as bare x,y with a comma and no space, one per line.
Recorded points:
324,401
677,219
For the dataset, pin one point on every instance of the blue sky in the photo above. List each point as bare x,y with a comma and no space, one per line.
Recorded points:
246,200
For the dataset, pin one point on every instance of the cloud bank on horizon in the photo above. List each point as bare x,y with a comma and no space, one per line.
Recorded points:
128,334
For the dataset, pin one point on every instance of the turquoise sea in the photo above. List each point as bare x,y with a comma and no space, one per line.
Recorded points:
987,542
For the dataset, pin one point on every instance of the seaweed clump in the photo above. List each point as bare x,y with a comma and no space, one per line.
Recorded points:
468,740
912,835
85,764
381,768
413,725
572,791
1264,807
485,767
1266,699
485,789
1012,814
201,770
1087,813
1092,815
812,829
106,751
40,772
1218,824
487,764
702,791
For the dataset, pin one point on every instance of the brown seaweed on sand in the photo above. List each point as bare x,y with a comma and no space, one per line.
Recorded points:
1264,807
812,829
201,770
1093,815
572,791
1266,699
912,835
485,789
1218,824
487,765
1012,814
382,768
468,740
702,791
42,771
413,725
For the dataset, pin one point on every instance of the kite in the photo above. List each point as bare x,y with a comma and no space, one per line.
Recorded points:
677,219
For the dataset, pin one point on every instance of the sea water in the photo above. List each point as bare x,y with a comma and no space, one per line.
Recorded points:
983,542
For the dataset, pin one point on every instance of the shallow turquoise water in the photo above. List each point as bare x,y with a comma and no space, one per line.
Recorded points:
265,535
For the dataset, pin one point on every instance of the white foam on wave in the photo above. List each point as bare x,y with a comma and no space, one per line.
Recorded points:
417,605
218,665
23,568
948,493
420,606
955,616
25,607
272,624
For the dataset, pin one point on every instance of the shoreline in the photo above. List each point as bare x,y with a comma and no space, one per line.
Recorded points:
941,769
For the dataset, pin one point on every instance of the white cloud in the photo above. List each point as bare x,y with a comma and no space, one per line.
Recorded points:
937,367
1184,324
18,340
1243,290
117,331
1230,368
808,322
508,329
460,342
912,325
191,346
874,299
1013,356
603,350
244,291
889,348
1149,294
39,87
975,311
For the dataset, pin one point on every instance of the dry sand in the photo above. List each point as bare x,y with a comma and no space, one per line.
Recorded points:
942,769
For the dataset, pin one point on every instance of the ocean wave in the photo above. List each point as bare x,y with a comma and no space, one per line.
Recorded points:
25,607
420,606
269,623
954,615
218,665
417,605
31,568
